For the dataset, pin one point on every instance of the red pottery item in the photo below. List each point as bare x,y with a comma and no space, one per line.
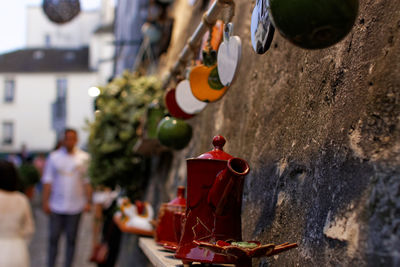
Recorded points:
172,106
165,232
179,219
215,184
244,254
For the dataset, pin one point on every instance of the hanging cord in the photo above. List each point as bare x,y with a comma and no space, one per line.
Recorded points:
229,11
210,27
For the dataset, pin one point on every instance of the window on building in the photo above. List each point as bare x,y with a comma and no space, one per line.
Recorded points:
47,40
61,97
8,133
9,91
61,88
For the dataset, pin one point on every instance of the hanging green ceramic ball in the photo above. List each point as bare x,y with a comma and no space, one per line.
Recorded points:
314,24
174,133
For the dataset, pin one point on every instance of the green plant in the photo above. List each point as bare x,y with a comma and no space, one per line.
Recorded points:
118,123
29,175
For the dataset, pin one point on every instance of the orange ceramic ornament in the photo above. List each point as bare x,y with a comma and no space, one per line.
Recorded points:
217,35
204,79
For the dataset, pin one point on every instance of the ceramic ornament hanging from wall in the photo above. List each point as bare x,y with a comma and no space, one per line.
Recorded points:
192,2
173,107
262,30
312,24
229,54
204,79
61,11
185,99
216,37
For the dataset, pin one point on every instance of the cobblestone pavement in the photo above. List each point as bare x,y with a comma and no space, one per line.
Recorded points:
38,245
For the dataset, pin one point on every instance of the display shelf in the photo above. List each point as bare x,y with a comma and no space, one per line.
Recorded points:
160,257
157,255
149,147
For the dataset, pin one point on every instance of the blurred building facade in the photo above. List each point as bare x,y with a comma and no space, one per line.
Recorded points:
44,88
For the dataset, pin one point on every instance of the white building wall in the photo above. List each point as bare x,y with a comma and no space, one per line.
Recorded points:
31,110
75,33
101,55
80,106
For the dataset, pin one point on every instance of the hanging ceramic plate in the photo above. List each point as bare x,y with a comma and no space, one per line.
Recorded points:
185,99
229,55
192,2
172,106
61,11
262,31
205,83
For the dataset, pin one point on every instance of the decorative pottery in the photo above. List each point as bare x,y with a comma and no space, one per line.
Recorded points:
204,79
152,32
174,133
173,107
262,31
186,100
229,54
192,2
245,251
216,37
135,218
166,230
314,24
61,11
214,184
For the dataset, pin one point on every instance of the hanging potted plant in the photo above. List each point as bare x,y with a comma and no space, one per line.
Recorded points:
118,125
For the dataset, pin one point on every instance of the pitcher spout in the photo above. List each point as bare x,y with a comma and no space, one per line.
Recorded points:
228,184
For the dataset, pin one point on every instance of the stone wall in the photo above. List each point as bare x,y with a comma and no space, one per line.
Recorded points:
321,132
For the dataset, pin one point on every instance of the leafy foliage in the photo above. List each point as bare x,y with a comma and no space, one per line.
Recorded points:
29,175
122,106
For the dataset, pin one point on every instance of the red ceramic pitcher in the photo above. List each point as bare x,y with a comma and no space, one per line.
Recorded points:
165,232
214,200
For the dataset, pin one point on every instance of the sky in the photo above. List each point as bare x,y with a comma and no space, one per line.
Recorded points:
13,21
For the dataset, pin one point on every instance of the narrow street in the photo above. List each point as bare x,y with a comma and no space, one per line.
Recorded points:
38,245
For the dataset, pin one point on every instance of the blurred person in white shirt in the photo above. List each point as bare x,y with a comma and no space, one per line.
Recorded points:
66,194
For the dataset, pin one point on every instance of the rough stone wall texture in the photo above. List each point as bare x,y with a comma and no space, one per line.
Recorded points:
321,132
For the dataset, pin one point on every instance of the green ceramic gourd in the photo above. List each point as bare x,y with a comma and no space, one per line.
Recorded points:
314,24
174,133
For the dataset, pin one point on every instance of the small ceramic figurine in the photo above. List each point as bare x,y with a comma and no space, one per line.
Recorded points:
134,218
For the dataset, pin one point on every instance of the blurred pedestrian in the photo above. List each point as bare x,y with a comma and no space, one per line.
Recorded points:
14,159
106,234
66,194
16,223
39,162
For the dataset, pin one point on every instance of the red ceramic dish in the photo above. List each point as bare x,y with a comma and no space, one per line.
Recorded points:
172,106
243,255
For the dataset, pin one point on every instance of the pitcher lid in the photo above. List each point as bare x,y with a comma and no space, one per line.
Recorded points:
217,153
